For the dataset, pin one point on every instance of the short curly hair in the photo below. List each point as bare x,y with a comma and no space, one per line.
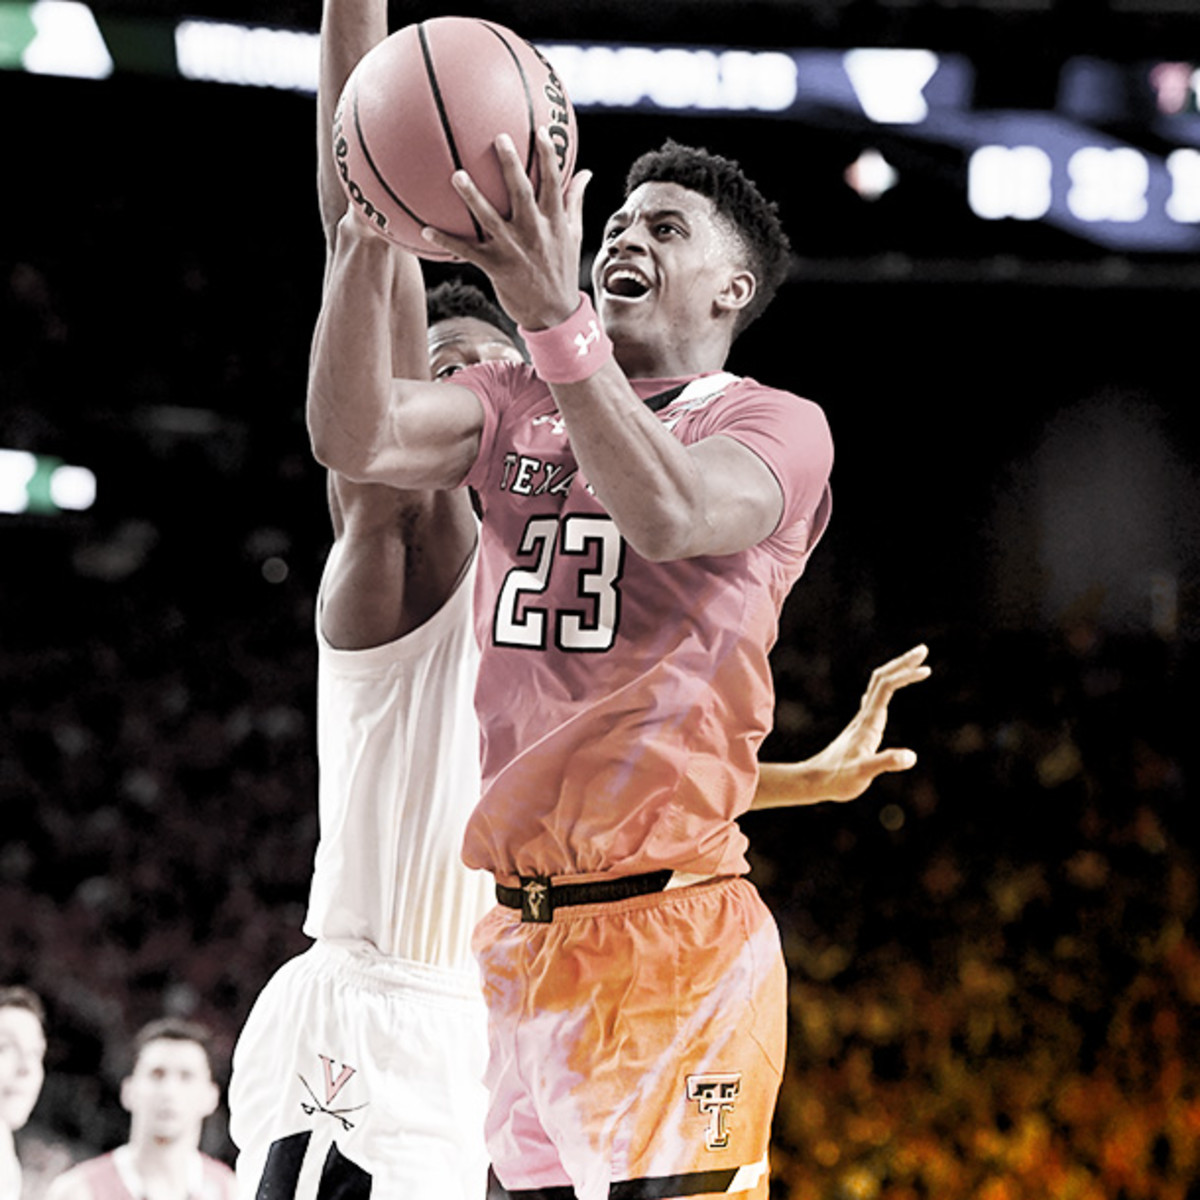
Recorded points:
737,198
458,298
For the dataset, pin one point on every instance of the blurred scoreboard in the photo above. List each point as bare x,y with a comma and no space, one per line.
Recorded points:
1115,163
1111,165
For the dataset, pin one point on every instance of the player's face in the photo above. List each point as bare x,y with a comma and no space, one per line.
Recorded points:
170,1091
22,1056
666,260
459,342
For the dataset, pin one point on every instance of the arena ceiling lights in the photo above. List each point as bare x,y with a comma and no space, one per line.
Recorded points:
38,483
1087,167
53,37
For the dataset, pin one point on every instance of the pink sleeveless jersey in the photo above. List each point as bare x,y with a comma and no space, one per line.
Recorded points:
215,1180
622,702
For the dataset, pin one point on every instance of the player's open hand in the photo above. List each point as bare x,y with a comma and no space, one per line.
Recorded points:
850,763
532,256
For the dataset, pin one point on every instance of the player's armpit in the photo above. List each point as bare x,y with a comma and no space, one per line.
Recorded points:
397,558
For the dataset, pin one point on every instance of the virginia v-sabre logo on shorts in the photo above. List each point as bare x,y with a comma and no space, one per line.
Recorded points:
333,1084
715,1096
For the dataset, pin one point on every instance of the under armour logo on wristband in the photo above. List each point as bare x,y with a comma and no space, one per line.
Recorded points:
571,351
714,1096
585,341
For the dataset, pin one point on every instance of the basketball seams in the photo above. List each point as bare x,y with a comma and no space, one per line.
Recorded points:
530,118
435,90
440,103
366,152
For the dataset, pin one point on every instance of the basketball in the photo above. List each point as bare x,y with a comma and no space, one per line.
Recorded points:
430,99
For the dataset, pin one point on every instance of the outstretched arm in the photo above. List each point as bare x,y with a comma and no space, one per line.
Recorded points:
398,553
845,768
372,415
349,28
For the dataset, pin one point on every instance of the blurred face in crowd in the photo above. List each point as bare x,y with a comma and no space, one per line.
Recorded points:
169,1092
458,342
22,1055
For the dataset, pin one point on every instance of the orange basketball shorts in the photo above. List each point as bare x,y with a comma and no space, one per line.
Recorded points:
635,1047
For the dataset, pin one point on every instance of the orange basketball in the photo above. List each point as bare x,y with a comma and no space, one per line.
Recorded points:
430,99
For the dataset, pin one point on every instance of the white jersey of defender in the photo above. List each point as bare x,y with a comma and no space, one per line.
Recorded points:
359,1071
398,748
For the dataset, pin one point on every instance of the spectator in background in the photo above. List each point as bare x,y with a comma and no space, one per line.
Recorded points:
168,1093
22,1057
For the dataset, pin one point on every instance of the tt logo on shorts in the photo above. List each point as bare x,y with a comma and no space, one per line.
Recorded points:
715,1096
333,1086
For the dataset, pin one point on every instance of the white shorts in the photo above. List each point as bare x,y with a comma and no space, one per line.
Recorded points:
359,1076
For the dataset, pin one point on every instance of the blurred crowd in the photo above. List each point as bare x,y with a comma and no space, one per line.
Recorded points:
995,974
994,965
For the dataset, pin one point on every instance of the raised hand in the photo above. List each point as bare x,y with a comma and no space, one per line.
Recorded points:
531,256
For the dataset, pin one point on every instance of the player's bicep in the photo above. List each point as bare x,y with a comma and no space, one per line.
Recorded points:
742,499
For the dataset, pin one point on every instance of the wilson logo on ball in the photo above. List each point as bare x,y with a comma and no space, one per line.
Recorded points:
563,118
341,149
431,99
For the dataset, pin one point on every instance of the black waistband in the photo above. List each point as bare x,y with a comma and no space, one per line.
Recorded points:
537,897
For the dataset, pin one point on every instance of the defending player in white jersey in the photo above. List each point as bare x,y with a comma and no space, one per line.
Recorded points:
358,1070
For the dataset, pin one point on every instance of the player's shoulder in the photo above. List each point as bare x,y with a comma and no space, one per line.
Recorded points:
748,385
514,381
219,1179
216,1167
75,1183
748,399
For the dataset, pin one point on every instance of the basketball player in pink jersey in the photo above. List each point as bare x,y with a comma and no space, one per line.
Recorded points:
389,906
644,515
360,1068
168,1093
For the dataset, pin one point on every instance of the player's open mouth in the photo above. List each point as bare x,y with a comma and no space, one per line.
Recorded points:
625,283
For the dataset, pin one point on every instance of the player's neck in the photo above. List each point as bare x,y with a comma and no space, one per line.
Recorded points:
669,360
